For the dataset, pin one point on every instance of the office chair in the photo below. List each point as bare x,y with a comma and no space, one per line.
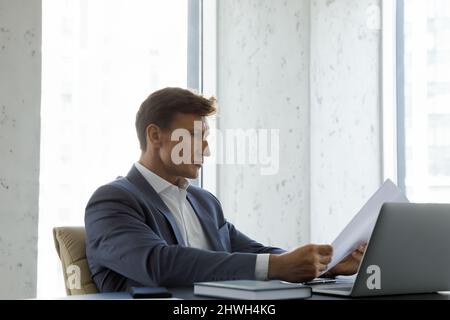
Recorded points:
71,248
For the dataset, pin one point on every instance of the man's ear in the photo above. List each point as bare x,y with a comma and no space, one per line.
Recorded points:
154,136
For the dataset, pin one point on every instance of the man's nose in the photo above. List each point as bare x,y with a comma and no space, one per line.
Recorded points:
206,151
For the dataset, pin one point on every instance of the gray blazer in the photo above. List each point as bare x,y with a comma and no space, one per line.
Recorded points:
132,239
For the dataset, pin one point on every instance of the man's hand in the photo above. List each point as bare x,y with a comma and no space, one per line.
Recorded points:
350,264
300,265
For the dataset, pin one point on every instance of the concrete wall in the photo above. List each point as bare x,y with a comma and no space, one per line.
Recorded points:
345,111
263,82
311,69
20,78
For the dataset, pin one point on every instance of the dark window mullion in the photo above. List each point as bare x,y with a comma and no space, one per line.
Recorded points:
400,63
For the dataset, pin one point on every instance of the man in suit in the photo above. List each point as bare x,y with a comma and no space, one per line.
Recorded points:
153,228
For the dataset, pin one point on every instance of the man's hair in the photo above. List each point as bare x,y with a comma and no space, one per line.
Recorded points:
161,106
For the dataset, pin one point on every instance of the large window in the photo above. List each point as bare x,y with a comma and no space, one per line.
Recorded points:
101,58
423,87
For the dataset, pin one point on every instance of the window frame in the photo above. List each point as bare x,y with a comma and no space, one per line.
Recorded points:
394,99
400,93
390,84
208,79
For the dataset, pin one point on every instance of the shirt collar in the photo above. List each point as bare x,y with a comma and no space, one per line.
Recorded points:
158,183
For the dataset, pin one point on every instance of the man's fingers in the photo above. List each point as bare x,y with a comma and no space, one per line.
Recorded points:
325,250
358,255
325,259
362,248
322,267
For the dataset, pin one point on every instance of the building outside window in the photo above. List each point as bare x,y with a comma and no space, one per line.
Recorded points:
424,108
101,59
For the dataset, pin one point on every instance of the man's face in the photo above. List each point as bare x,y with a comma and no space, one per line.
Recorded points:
184,146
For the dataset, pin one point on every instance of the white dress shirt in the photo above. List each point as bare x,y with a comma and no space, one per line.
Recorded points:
174,197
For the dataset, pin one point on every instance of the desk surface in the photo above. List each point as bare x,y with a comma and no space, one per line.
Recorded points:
187,294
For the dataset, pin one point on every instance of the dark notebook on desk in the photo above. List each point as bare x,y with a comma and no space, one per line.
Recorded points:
252,290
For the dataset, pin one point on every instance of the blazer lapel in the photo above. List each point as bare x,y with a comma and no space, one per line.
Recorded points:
139,181
207,223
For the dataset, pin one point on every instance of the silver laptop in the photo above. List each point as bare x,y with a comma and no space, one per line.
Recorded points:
408,253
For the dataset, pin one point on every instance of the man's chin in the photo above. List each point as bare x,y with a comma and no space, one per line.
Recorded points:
194,171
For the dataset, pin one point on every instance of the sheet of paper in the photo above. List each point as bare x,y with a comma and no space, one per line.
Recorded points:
359,230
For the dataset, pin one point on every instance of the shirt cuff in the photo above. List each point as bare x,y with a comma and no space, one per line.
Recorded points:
262,267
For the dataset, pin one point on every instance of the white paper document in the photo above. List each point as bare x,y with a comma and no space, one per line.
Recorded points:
359,230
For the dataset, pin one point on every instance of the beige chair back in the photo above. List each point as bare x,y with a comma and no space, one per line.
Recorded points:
71,248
